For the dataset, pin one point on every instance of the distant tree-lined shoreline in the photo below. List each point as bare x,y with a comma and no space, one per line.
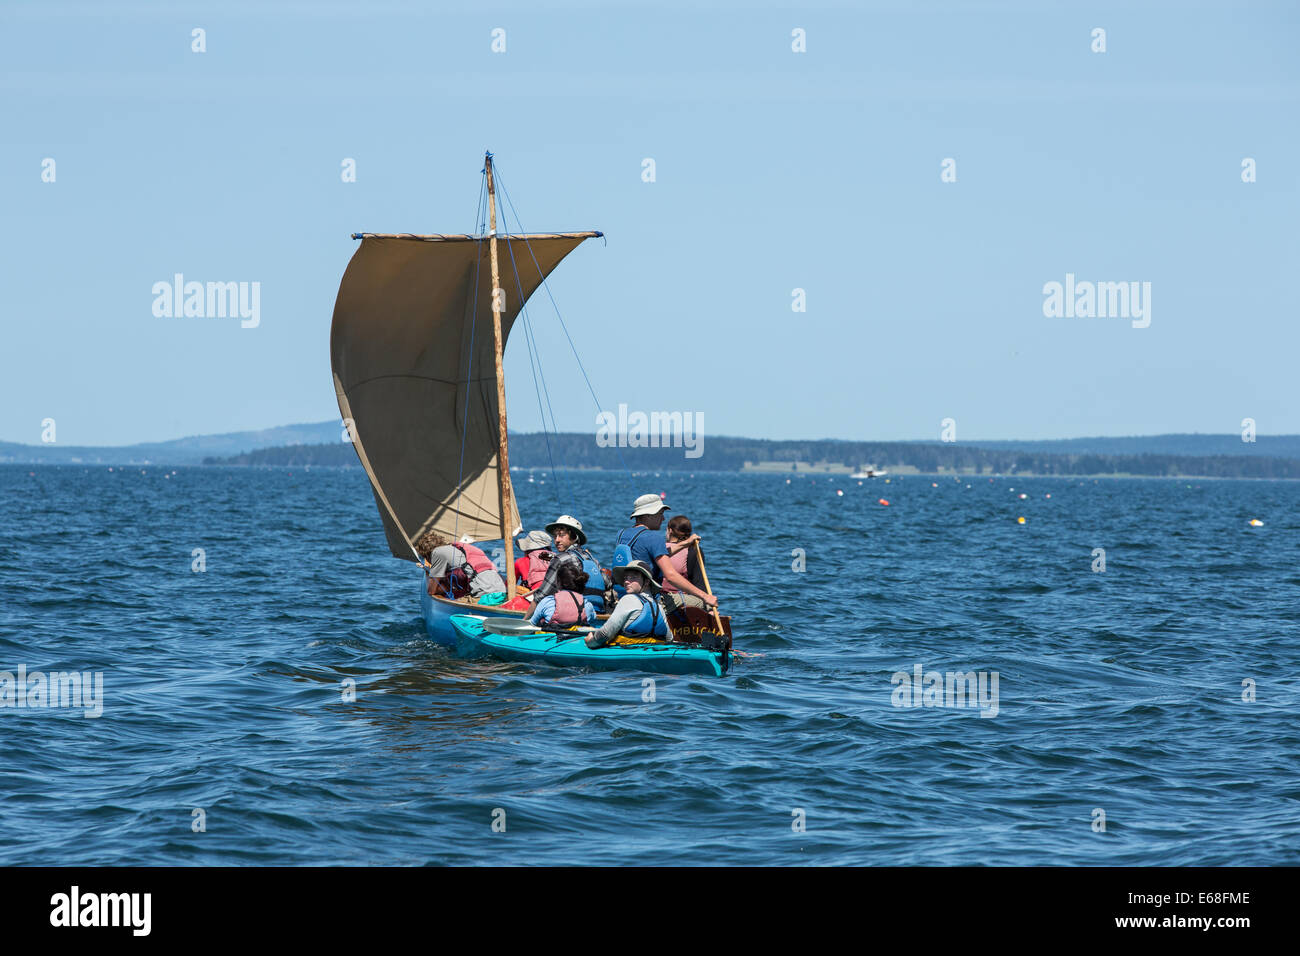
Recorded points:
740,454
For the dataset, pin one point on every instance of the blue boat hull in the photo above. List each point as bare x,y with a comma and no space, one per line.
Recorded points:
547,648
438,612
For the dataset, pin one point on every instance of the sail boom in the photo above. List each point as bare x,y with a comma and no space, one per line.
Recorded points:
464,237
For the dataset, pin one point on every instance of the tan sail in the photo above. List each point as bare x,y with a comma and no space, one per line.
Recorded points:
404,341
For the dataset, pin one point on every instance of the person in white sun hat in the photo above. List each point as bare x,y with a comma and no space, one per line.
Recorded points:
646,543
569,550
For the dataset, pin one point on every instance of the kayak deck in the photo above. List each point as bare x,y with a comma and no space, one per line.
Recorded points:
546,647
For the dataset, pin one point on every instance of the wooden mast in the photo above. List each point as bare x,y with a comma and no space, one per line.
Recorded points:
503,453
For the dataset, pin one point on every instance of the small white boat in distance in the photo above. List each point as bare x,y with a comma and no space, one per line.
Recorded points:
868,473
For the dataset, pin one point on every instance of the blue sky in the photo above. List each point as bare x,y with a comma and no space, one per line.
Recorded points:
775,170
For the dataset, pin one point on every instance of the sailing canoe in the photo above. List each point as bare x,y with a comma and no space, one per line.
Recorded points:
547,647
438,612
420,384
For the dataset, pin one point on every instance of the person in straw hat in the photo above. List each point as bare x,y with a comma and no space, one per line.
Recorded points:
646,543
637,613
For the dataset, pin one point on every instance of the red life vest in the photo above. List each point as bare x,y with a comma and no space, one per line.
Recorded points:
538,562
570,615
475,560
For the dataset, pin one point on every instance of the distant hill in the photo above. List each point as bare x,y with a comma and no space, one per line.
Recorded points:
332,455
180,451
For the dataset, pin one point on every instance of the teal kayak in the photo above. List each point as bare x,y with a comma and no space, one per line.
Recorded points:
546,647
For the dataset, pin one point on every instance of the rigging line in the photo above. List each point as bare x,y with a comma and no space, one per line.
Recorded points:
534,352
482,188
528,330
469,371
538,372
546,285
561,487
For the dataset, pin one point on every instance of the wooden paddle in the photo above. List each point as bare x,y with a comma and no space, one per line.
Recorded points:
699,555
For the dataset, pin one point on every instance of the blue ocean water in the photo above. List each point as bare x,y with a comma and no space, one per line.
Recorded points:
225,737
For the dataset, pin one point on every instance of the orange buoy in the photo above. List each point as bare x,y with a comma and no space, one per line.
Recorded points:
884,502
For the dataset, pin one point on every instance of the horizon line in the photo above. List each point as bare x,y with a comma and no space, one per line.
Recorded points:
509,432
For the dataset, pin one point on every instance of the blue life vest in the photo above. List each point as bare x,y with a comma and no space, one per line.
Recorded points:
595,589
623,550
645,625
623,553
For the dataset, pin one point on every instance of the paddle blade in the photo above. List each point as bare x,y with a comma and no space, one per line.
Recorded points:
506,625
